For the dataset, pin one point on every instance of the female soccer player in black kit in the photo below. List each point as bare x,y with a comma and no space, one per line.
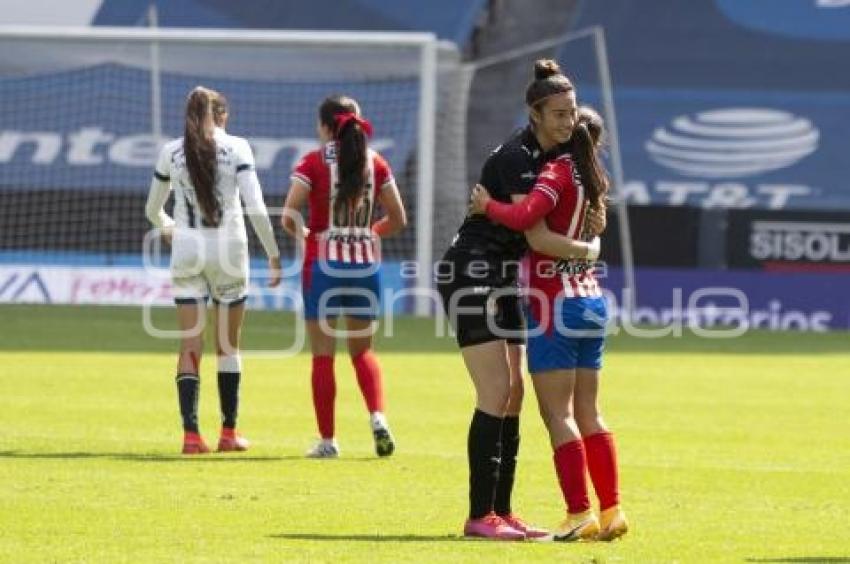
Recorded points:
478,282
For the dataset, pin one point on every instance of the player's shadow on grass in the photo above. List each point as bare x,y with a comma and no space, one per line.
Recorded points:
173,457
366,537
804,559
144,457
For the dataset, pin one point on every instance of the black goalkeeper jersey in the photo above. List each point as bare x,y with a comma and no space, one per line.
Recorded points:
510,169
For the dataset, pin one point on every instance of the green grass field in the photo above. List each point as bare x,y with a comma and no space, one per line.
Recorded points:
733,450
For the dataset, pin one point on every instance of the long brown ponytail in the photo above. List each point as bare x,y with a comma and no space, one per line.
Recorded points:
586,142
200,150
351,147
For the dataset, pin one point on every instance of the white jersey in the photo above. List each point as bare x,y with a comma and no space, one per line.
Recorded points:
235,176
222,263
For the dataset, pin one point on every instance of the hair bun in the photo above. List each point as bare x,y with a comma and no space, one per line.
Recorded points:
544,68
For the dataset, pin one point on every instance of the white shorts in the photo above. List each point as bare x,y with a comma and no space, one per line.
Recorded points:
204,265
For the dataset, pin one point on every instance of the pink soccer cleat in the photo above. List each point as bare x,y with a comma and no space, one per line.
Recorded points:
231,441
491,526
193,443
530,531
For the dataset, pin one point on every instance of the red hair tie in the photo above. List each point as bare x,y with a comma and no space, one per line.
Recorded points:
342,119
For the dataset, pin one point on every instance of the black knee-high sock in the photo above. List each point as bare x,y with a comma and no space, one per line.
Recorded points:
507,469
483,451
228,397
187,394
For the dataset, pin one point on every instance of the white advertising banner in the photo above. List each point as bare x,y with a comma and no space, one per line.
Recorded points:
137,285
84,285
132,286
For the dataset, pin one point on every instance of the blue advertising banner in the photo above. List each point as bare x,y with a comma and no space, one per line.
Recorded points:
805,19
90,128
748,299
449,19
734,149
725,103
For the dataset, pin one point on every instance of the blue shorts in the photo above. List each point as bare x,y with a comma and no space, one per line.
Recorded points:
341,288
575,339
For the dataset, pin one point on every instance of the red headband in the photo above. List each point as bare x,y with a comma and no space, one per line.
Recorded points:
342,119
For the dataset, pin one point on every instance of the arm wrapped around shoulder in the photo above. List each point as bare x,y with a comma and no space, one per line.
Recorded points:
521,215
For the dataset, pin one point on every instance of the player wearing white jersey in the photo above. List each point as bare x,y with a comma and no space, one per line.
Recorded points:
209,171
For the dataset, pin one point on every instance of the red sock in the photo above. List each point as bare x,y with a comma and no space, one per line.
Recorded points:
602,464
571,468
324,394
369,378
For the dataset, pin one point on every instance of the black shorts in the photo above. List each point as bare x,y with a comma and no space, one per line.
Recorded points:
481,298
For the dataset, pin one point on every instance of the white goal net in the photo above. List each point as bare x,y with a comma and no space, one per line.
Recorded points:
83,112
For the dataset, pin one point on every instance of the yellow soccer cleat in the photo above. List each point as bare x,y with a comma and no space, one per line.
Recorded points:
577,527
613,524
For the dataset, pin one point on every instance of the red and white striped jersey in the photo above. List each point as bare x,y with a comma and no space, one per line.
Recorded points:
340,232
560,182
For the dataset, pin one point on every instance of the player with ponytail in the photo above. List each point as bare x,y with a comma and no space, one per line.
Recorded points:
209,171
341,183
478,281
567,312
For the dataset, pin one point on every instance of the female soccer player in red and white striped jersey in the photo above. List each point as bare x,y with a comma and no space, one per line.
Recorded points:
340,183
568,316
